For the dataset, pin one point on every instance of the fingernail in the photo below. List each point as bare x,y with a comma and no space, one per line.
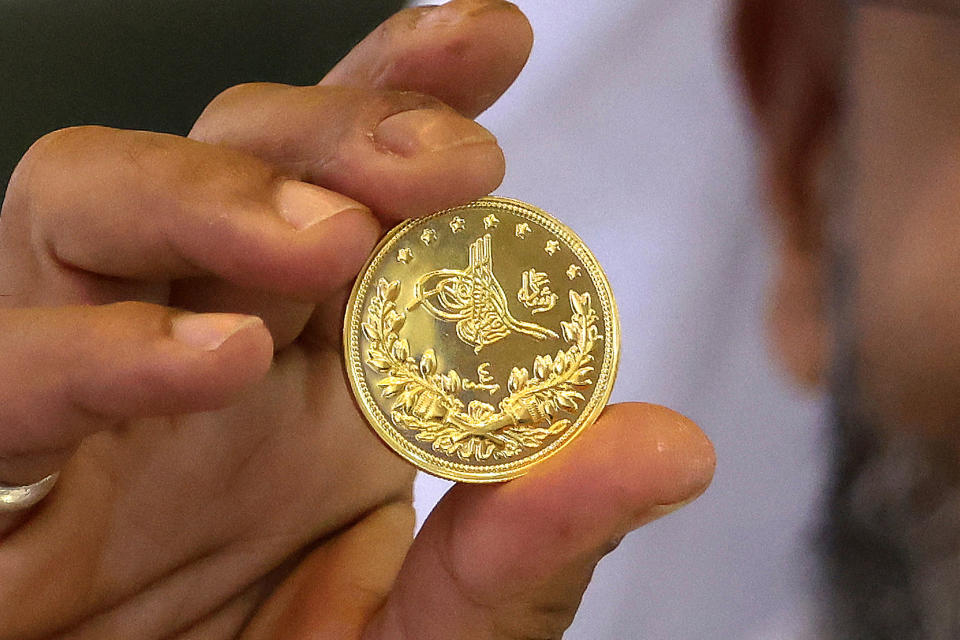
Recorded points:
304,205
438,14
208,331
410,132
455,10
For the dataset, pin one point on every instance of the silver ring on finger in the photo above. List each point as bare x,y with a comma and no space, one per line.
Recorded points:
24,497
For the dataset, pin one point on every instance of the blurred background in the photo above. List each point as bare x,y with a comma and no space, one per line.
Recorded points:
627,125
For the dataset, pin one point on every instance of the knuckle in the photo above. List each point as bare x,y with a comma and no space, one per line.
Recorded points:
170,175
61,141
239,92
227,104
31,179
231,96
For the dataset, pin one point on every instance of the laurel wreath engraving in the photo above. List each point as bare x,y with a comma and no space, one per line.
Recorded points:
426,401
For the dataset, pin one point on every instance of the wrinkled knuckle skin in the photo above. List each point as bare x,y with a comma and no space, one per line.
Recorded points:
226,102
238,92
28,185
62,142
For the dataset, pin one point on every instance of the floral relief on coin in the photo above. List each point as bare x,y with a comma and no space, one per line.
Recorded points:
453,375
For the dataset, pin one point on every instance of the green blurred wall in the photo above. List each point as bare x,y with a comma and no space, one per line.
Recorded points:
154,64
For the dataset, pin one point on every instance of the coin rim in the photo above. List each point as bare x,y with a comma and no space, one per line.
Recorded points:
458,471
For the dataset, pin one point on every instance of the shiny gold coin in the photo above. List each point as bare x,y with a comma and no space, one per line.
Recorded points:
481,340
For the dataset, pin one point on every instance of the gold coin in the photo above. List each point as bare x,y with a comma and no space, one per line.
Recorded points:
481,340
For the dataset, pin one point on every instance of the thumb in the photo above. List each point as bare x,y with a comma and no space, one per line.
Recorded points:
495,562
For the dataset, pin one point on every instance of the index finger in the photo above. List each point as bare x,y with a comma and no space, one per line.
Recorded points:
465,53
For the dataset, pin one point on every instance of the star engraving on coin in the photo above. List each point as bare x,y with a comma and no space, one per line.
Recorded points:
404,255
414,333
491,221
573,271
428,236
522,229
552,247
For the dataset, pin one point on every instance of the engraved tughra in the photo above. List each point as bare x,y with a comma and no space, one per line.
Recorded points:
473,299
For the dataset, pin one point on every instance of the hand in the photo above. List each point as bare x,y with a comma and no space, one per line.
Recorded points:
217,480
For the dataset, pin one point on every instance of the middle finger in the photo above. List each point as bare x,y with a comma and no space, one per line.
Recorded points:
401,153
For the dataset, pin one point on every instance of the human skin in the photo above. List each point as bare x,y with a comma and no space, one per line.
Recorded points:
170,336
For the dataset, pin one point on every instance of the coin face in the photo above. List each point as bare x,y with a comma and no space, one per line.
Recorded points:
481,340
